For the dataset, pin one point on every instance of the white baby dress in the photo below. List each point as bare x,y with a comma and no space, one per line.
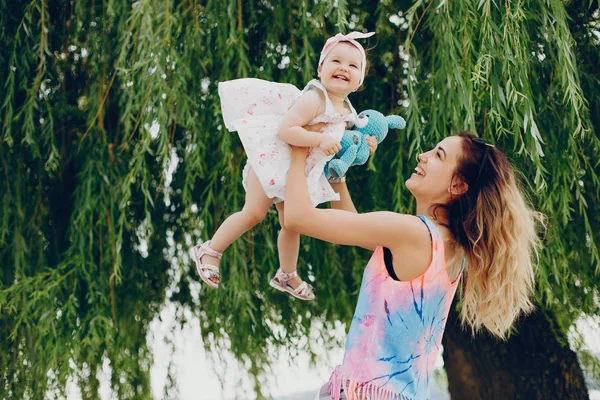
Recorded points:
255,109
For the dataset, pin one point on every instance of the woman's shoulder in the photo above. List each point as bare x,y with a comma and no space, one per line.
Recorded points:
405,232
416,239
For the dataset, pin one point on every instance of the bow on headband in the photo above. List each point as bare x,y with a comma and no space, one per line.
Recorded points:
351,38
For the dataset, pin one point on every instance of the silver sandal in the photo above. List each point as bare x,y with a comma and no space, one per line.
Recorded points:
207,271
304,291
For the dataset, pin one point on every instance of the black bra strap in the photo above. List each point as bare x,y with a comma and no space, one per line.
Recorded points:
389,265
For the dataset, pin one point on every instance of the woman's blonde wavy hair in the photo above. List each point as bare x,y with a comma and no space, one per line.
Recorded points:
497,229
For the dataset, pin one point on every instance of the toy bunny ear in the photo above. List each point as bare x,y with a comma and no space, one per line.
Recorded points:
361,121
396,122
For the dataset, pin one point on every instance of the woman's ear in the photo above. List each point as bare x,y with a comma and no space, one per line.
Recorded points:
319,70
458,187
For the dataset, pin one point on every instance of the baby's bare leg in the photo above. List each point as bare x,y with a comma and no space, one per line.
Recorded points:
255,209
288,247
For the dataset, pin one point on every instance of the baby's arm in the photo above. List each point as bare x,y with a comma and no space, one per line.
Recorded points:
304,110
294,129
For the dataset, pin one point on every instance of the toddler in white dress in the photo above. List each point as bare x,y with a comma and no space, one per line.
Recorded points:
269,117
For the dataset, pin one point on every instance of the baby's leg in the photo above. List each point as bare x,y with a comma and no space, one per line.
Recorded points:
255,209
288,246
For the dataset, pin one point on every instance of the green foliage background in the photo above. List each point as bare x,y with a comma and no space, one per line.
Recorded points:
100,97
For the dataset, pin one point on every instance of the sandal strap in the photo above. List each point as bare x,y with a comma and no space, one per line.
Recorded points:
284,277
303,288
210,267
206,249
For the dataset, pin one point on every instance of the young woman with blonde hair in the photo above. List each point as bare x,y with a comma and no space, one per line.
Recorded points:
472,226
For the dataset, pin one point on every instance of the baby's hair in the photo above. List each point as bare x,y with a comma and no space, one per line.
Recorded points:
367,67
367,54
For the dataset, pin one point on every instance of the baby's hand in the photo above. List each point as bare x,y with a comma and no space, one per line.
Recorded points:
329,145
372,143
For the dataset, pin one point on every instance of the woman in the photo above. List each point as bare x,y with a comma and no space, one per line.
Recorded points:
472,222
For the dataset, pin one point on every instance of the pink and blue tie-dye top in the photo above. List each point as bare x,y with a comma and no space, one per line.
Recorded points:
396,332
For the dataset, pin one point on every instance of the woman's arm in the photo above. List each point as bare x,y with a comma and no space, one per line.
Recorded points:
345,203
402,234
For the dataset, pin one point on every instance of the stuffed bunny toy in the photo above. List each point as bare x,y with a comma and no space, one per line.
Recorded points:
355,150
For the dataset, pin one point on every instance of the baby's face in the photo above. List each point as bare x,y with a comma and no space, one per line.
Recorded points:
341,70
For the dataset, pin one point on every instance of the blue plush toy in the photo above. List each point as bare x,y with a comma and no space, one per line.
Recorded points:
355,150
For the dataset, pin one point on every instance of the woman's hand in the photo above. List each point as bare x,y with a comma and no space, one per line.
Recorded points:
372,143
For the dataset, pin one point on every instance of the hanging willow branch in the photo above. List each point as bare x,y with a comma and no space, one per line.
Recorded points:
114,161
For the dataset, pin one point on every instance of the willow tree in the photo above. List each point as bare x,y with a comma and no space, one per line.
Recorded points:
114,161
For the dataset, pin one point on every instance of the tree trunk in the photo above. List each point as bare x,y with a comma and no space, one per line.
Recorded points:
534,363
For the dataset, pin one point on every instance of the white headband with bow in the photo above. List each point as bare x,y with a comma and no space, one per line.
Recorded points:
351,38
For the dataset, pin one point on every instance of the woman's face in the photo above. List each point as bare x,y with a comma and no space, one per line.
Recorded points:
433,180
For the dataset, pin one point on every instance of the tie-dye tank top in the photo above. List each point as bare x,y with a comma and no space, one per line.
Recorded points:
396,331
